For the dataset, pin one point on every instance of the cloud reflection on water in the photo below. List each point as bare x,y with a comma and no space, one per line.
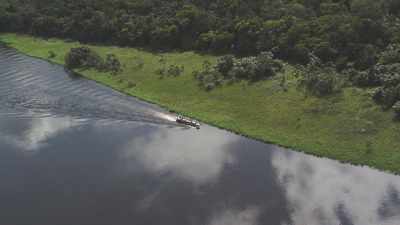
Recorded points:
322,191
35,136
248,216
196,157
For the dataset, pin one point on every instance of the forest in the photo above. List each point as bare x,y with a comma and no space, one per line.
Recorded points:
326,38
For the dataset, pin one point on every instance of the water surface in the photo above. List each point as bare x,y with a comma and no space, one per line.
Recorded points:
75,152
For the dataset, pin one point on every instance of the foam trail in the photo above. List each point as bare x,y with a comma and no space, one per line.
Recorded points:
36,88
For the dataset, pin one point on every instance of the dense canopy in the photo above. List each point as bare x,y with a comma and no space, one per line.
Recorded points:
335,30
360,38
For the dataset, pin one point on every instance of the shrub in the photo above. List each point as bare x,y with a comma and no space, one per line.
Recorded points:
389,74
318,79
367,78
162,71
387,96
131,84
390,55
267,66
215,41
208,77
83,57
175,70
256,68
225,64
112,64
396,108
244,68
52,54
230,69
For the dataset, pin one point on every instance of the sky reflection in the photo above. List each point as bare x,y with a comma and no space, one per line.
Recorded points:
197,157
248,216
35,132
322,191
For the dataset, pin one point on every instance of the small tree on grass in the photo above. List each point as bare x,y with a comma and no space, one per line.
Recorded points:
175,70
112,64
52,54
318,79
396,109
208,77
230,69
225,64
83,57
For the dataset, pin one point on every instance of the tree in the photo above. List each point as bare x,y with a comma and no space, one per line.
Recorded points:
246,32
396,108
83,57
318,79
215,41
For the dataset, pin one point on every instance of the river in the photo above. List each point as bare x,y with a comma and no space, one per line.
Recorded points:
75,152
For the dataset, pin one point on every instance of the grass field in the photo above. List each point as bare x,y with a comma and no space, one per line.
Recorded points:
348,127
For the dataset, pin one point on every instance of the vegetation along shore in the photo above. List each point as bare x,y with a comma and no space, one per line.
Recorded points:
283,106
321,76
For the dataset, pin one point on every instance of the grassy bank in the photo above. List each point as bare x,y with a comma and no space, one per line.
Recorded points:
348,127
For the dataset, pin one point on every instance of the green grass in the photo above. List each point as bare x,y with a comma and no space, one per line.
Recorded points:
348,127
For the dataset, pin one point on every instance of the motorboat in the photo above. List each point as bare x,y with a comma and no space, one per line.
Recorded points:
187,121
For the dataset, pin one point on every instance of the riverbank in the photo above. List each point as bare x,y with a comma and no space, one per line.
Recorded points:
348,127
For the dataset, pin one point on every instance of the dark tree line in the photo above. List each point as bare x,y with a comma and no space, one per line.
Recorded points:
338,31
348,35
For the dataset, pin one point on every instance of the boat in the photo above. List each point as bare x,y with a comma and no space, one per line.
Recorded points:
186,121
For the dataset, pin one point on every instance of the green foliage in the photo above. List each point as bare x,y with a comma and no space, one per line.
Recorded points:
225,64
285,118
390,55
208,77
175,70
215,41
396,108
318,79
52,55
363,35
112,64
86,58
387,96
354,31
169,70
83,57
230,69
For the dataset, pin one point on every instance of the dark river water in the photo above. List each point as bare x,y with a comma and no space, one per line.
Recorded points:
73,152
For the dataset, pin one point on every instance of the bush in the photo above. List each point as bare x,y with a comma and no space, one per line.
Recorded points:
389,93
387,96
83,57
391,55
366,78
229,69
225,64
396,109
208,77
267,66
389,74
215,41
52,54
175,70
112,64
318,79
244,68
256,68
